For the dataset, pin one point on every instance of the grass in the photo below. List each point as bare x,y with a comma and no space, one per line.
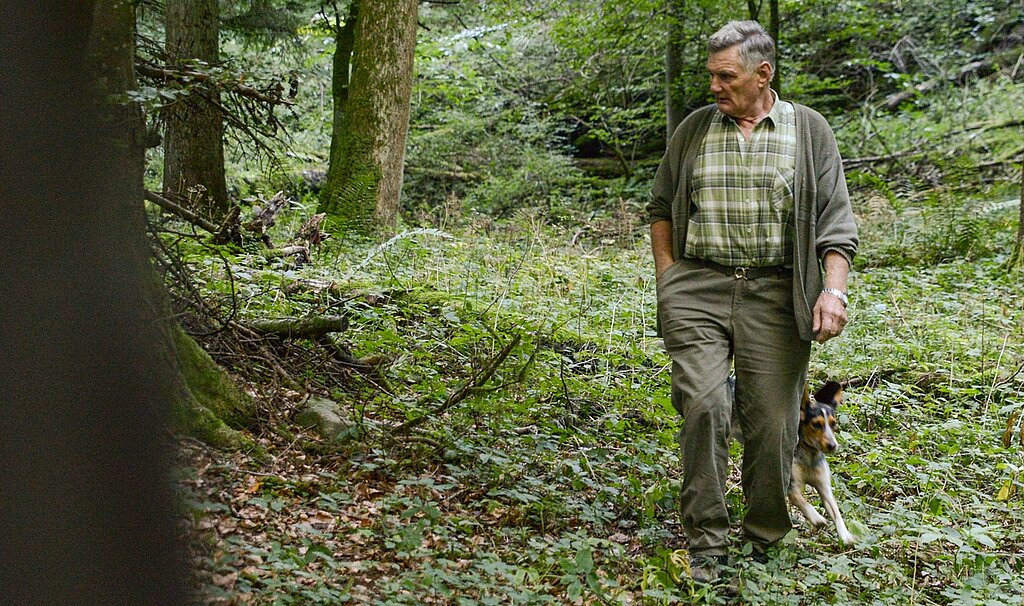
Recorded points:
556,483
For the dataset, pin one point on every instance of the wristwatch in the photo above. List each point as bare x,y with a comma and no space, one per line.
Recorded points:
835,292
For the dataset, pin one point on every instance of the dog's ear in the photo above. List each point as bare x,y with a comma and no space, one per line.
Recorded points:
805,401
830,393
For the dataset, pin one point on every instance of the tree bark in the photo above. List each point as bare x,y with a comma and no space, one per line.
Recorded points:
1020,222
675,107
341,75
193,143
754,9
364,178
87,514
202,394
773,31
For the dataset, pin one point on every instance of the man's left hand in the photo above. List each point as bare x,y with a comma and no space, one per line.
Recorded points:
829,317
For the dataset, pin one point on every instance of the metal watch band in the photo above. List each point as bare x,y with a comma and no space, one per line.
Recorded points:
837,293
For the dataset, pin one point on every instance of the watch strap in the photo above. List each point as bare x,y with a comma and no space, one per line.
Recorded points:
835,292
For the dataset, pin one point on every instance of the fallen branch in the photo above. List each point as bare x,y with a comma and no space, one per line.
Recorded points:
855,162
301,328
973,69
993,125
230,229
1012,158
181,212
299,251
468,388
186,76
267,355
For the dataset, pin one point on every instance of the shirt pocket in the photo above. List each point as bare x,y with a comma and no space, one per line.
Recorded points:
782,192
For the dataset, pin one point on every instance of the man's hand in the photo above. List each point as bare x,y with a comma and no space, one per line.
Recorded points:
829,312
829,317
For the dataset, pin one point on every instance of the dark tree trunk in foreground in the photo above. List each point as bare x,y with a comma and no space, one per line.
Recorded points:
86,514
193,143
364,178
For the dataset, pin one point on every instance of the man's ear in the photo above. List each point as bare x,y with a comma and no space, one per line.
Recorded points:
764,72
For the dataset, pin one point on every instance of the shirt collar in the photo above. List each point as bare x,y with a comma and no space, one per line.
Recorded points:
775,114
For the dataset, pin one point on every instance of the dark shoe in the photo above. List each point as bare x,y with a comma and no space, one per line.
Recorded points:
707,570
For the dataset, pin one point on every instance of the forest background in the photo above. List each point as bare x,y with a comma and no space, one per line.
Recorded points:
410,306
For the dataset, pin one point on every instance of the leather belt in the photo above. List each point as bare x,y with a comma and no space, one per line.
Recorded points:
743,273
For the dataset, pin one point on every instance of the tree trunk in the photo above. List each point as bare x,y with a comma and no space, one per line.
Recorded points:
341,75
203,394
675,107
87,514
364,178
1018,254
773,31
754,9
193,143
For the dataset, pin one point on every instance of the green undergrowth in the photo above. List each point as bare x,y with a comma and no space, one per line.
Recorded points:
556,480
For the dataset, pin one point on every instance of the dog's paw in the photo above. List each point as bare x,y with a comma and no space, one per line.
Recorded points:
816,520
846,538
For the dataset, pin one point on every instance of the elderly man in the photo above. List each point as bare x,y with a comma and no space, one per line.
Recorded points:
753,236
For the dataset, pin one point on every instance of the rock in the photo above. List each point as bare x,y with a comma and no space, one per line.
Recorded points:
326,418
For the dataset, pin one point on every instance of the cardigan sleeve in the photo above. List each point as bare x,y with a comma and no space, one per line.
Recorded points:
664,188
836,228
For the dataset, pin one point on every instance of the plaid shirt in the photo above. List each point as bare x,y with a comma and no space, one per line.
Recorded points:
743,192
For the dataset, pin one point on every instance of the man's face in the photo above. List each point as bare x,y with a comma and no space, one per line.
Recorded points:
737,91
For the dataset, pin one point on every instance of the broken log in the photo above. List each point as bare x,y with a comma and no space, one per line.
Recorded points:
300,328
264,216
301,253
310,230
974,69
180,211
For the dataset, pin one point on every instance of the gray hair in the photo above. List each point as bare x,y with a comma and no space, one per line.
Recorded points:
754,42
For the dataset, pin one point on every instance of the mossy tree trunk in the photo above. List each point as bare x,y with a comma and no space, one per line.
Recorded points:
205,398
364,177
208,405
193,142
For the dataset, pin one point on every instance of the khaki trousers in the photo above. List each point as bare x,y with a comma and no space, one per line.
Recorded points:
709,320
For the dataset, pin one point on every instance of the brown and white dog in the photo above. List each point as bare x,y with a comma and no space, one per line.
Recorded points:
817,437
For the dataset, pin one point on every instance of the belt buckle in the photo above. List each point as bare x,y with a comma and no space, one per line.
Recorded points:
739,273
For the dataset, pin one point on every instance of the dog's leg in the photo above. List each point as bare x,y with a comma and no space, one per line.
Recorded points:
810,514
823,484
796,497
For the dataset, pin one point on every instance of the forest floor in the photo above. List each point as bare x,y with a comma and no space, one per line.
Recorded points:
555,480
